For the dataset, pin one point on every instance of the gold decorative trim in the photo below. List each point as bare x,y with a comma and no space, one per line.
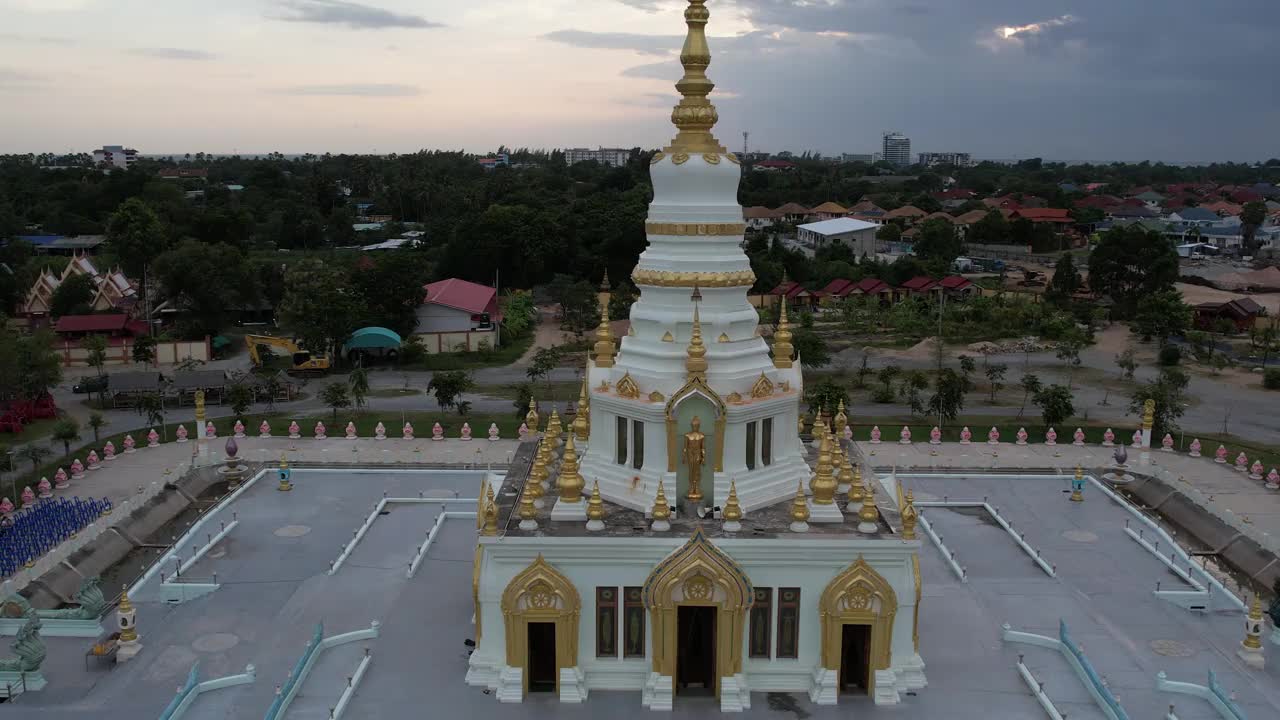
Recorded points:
711,158
724,338
668,278
680,158
702,575
657,157
763,387
732,158
656,396
604,386
858,596
540,593
695,385
627,387
683,229
668,337
734,398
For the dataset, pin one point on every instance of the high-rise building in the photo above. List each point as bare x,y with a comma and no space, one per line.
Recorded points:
896,149
958,159
115,156
613,157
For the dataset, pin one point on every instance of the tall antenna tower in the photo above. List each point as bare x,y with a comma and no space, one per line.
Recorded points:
745,135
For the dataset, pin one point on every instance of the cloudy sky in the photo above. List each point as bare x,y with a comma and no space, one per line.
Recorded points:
1176,80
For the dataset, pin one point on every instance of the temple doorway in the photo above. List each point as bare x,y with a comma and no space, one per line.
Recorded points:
696,650
542,657
855,659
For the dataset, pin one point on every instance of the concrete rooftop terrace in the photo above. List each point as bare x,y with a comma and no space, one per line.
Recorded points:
274,588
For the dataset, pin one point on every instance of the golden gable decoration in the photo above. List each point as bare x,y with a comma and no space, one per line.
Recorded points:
763,387
628,388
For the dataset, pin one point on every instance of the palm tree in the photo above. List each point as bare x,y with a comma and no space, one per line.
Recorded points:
67,430
35,453
97,422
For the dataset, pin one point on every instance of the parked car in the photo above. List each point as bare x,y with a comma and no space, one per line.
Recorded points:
92,384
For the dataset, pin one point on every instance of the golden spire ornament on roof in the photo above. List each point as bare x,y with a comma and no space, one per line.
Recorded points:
604,346
696,361
581,425
570,480
695,115
782,347
531,417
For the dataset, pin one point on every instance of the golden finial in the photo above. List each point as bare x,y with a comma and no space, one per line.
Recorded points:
129,631
595,505
696,361
909,517
841,421
554,430
581,428
538,474
1076,494
570,481
855,488
1253,626
869,513
284,461
846,476
782,347
527,509
604,339
800,423
490,512
695,115
799,506
661,509
823,483
1148,414
200,410
604,282
732,510
531,419
125,605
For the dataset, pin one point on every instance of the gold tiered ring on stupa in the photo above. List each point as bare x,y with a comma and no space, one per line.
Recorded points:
670,278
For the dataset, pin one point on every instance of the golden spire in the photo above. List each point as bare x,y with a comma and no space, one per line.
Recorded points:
604,339
782,347
1076,494
1252,639
909,517
846,476
841,421
129,631
284,461
581,428
527,509
531,418
200,410
554,430
595,505
696,362
537,475
800,423
799,507
661,509
125,606
732,510
490,513
570,481
868,513
695,115
823,483
855,487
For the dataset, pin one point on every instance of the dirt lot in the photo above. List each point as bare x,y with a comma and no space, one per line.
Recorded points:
1196,294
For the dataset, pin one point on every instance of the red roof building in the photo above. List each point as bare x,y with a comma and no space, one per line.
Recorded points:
774,165
797,294
919,285
1039,215
458,306
114,324
956,285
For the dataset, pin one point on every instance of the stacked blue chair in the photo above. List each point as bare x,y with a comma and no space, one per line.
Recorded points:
30,533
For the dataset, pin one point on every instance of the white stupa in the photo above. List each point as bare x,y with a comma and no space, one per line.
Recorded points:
694,350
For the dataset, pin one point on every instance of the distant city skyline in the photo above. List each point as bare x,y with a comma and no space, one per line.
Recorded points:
1078,80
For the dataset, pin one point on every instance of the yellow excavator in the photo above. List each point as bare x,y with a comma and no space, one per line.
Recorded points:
304,363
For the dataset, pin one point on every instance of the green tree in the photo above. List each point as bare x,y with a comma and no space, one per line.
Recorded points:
889,233
519,314
1069,353
152,406
337,396
1161,315
1030,386
621,298
1065,283
38,365
544,361
448,388
66,431
144,350
1168,391
1131,263
1252,216
579,304
524,394
995,375
1055,404
209,283
825,395
135,235
96,423
992,229
73,296
948,396
1127,364
319,306
913,384
811,350
359,382
240,398
95,347
1265,340
937,244
35,454
391,289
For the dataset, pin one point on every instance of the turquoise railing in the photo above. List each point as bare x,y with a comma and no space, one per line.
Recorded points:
296,675
1225,697
183,692
1103,691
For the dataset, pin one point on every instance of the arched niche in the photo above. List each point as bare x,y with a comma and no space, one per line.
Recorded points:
698,574
858,596
540,593
696,397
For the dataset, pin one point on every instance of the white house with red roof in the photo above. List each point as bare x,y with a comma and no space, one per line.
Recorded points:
458,316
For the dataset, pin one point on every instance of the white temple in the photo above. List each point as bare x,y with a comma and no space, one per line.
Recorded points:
685,546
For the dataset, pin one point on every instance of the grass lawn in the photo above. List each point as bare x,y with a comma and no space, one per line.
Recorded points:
32,431
505,355
558,391
393,392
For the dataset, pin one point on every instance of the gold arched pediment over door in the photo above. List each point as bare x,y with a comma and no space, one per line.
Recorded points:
698,574
858,596
541,594
695,397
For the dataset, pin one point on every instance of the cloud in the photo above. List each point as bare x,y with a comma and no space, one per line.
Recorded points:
353,15
37,39
18,79
651,6
644,44
173,53
1018,35
354,90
